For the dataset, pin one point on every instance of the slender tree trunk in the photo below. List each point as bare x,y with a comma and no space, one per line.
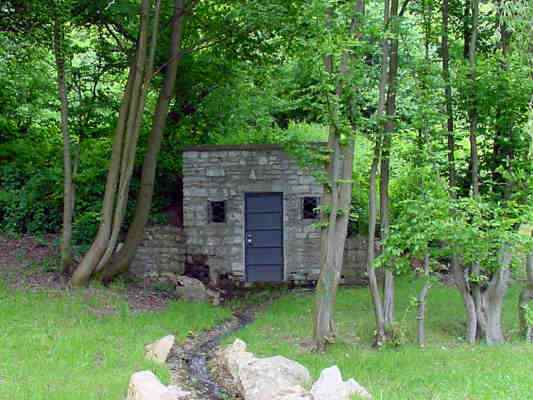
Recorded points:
479,300
526,295
92,258
474,159
448,94
464,288
390,125
421,301
466,28
503,148
121,259
388,286
128,159
495,295
371,272
68,186
472,109
333,236
324,328
372,191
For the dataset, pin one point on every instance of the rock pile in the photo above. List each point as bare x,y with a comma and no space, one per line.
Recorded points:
278,378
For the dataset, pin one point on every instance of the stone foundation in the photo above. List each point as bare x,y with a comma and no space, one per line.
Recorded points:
355,259
162,250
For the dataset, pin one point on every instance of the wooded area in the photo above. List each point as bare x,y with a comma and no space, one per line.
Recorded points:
426,107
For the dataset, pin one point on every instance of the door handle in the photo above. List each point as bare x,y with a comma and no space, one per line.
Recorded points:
249,239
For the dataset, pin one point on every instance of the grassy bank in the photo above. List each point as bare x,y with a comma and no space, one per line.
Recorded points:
83,344
446,369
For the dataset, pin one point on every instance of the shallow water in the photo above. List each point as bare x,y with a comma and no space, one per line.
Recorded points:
190,362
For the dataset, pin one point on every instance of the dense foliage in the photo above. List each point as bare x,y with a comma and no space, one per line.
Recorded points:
456,138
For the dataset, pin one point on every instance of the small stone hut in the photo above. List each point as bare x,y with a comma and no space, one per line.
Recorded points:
249,212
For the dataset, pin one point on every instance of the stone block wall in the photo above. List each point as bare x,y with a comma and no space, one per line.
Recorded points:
355,259
162,250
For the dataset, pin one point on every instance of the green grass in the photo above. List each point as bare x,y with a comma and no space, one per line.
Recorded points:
66,346
446,369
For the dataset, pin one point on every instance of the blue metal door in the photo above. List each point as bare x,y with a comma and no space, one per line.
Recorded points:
264,237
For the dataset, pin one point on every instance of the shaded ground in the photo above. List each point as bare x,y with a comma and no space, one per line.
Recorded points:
31,263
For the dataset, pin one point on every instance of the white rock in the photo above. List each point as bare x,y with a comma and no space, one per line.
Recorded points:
237,346
235,358
330,386
158,351
175,393
273,378
145,385
355,388
294,393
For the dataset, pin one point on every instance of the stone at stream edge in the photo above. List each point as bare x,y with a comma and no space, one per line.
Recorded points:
235,358
159,351
144,385
272,378
330,386
278,378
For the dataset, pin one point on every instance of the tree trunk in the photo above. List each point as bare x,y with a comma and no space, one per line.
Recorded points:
334,238
503,149
372,196
462,285
324,328
466,29
68,186
495,295
448,94
121,259
472,109
92,258
338,197
388,286
371,272
421,302
130,149
526,295
474,159
390,125
479,300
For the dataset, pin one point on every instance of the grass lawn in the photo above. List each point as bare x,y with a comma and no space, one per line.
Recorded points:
446,369
83,344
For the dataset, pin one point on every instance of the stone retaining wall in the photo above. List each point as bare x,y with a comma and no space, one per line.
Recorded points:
162,250
355,257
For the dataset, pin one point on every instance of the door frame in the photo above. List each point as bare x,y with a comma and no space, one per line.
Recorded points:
283,269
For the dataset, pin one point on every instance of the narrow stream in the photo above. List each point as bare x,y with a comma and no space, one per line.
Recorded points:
189,362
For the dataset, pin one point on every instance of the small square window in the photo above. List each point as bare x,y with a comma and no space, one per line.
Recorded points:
310,207
217,211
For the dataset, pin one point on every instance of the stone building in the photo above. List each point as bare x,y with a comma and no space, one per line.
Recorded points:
249,211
